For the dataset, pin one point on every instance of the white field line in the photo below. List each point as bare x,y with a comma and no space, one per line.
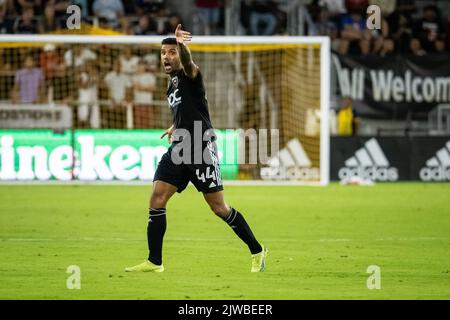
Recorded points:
92,239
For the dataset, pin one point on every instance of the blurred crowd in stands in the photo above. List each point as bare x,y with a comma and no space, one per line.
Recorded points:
405,28
136,17
139,17
100,81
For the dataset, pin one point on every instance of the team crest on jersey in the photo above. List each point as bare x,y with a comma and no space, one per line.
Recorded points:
175,81
174,99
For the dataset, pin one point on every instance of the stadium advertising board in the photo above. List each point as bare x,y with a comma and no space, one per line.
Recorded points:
291,163
35,116
389,159
389,87
430,159
93,155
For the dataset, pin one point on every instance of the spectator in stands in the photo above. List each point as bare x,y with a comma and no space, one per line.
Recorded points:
59,84
356,5
60,7
51,62
146,26
5,22
126,26
9,60
152,61
81,55
171,24
387,48
26,23
325,26
88,107
149,6
415,48
19,6
117,84
387,7
440,45
401,24
105,51
48,23
209,14
128,61
326,16
355,37
9,7
383,44
429,28
63,84
5,63
406,8
144,84
129,8
334,8
262,18
110,11
28,83
402,33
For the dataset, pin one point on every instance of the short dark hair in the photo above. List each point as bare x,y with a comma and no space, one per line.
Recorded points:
170,40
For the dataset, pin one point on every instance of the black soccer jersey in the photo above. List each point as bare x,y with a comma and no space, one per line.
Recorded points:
190,160
187,101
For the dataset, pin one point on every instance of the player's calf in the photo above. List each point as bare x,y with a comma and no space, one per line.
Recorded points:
221,210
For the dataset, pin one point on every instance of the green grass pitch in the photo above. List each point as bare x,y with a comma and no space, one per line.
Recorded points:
321,241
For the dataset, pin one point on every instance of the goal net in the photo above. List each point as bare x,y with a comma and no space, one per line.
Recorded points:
257,87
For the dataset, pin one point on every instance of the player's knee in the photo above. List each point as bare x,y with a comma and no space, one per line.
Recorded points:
158,200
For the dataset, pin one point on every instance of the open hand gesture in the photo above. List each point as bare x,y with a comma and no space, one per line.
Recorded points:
182,36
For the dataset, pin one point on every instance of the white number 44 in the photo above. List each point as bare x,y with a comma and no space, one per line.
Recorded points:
209,175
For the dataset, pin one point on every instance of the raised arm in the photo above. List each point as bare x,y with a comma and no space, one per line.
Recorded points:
183,37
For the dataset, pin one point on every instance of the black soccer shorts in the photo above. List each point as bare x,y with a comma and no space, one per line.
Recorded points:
205,177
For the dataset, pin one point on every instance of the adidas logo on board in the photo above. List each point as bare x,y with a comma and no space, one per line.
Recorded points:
438,167
369,163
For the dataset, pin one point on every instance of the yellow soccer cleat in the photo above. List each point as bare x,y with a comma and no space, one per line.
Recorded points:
146,266
259,260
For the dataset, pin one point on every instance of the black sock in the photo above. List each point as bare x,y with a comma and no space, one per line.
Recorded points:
155,234
237,222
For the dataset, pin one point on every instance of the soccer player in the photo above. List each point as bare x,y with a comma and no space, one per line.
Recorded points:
187,101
